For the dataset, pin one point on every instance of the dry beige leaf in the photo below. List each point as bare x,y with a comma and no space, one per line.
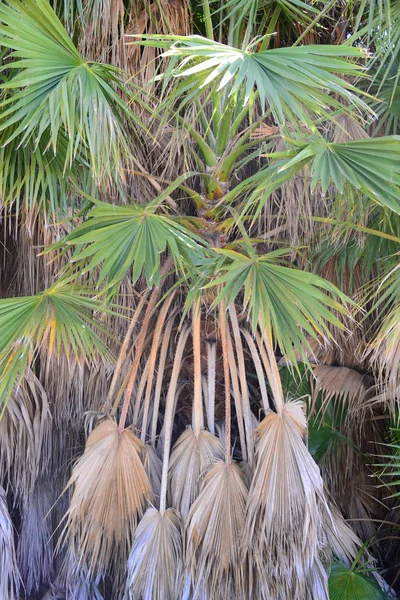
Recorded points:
110,490
286,507
214,532
191,458
155,564
340,383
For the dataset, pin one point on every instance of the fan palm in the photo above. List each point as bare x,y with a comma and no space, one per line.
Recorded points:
199,297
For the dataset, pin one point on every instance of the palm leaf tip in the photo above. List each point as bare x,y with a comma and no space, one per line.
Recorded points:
191,458
110,490
155,564
215,530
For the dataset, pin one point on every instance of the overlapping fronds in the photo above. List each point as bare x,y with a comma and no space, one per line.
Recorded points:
35,543
286,506
110,489
25,447
155,564
191,458
214,533
290,303
10,578
312,71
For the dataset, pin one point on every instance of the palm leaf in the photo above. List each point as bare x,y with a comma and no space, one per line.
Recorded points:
58,318
191,458
370,165
286,502
288,301
215,529
110,489
154,564
352,584
292,82
57,93
131,238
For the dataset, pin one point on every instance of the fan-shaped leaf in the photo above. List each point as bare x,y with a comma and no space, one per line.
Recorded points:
132,238
290,303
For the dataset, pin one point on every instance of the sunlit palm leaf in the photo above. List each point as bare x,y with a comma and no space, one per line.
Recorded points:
293,82
60,318
290,303
55,91
110,490
131,239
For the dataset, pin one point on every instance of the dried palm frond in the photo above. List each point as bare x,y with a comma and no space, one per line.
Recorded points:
155,565
155,562
286,504
25,447
110,490
340,383
214,532
196,448
191,458
10,578
216,521
347,129
35,544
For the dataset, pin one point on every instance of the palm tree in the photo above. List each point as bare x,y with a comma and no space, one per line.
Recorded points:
200,299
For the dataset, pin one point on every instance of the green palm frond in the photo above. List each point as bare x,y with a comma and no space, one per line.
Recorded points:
347,583
58,318
33,177
292,82
54,91
370,165
286,301
131,239
391,466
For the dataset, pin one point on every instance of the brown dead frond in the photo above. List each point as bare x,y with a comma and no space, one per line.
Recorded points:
214,532
155,564
340,384
110,490
191,458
